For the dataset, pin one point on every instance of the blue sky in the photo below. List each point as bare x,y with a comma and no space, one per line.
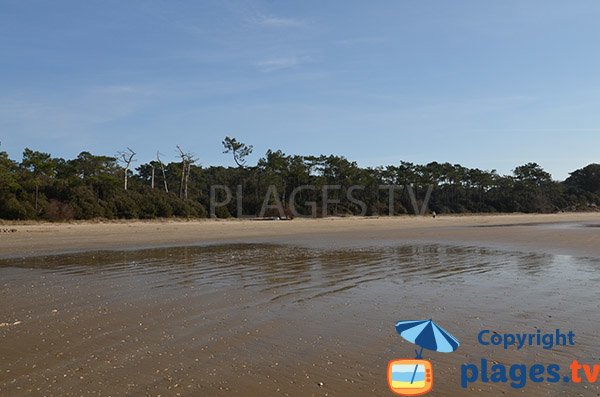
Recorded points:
485,84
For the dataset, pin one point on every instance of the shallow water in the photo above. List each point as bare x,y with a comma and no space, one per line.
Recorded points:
262,320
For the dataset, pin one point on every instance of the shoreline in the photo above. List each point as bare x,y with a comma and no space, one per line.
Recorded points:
559,233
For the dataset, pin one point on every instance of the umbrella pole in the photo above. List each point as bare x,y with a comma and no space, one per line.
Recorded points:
419,355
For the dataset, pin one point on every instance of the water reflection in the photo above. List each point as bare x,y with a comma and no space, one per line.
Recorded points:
293,271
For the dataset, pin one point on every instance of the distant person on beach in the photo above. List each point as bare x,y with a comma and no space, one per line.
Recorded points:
433,214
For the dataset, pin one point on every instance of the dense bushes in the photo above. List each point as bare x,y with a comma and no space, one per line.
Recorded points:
89,186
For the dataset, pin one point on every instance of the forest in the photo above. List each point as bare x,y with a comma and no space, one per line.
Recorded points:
92,186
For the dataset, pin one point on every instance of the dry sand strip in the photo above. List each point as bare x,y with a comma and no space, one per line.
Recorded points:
571,233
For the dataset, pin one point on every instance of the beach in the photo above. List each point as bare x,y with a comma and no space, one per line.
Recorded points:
566,233
284,198
561,233
294,308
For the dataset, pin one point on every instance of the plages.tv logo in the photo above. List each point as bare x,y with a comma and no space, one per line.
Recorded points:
413,377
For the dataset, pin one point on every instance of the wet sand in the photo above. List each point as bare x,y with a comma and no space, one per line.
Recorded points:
292,311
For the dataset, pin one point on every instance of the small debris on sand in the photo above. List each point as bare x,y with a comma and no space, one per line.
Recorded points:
10,324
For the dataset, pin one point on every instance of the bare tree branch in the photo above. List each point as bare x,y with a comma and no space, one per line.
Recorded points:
164,174
126,158
187,159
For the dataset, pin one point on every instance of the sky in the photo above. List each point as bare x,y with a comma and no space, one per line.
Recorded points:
491,85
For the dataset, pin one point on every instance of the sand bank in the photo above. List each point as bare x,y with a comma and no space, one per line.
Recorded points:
558,233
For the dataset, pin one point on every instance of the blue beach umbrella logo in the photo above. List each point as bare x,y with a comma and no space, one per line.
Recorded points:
427,335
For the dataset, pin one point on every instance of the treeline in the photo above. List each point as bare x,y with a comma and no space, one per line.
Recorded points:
95,186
